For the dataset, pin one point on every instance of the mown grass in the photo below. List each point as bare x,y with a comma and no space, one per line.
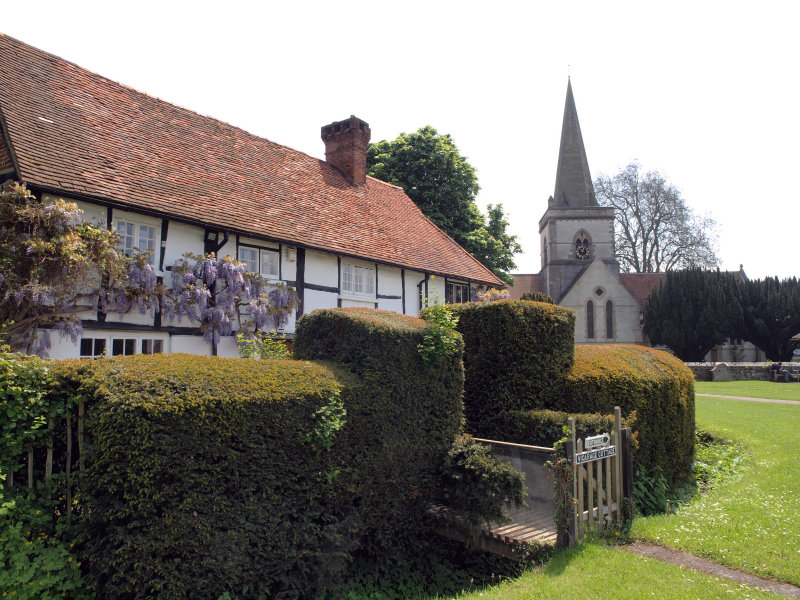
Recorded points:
750,389
749,521
593,570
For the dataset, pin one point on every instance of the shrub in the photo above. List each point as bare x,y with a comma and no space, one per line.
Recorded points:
537,297
477,485
543,427
36,560
203,478
657,386
403,416
517,354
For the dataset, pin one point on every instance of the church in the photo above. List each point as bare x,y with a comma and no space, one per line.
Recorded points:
579,267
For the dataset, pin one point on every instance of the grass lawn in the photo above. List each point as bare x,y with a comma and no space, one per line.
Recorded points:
750,521
750,389
595,571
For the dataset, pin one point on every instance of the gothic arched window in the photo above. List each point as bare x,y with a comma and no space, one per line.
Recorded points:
609,319
590,320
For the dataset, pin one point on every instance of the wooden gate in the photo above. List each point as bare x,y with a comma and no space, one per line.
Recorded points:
603,480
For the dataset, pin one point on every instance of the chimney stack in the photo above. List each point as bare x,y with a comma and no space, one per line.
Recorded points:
346,147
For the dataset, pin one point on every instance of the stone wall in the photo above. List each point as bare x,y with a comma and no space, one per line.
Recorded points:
738,371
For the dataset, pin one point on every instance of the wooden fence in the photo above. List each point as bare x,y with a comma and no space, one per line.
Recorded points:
603,480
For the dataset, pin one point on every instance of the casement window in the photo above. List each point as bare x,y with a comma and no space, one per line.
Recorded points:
137,235
93,347
98,347
358,280
261,260
456,293
150,346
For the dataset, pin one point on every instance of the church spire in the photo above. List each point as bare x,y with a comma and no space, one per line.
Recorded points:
573,180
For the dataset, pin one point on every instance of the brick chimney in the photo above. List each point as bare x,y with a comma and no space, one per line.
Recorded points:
346,147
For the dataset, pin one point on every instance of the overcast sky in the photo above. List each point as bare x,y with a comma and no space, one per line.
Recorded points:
705,92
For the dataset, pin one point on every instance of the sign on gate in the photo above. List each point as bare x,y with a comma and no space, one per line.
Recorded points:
592,455
596,440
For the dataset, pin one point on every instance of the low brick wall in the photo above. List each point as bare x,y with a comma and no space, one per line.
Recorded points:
739,371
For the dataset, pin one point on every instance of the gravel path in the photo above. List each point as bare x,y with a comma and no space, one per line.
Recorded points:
750,399
690,561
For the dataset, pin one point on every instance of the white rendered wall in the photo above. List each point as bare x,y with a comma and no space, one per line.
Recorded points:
413,279
181,239
315,299
322,268
191,344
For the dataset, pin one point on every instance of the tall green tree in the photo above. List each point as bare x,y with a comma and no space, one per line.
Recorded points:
693,310
772,315
434,174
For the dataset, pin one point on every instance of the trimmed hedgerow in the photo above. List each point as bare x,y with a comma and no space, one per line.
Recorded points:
516,357
403,416
544,427
654,384
204,477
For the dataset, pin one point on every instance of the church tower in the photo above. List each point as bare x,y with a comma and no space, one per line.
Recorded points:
575,230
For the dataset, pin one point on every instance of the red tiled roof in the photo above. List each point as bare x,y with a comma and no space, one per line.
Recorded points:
76,132
641,284
526,283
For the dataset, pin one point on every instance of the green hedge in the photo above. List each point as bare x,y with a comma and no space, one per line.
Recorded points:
543,427
517,354
203,477
403,417
654,384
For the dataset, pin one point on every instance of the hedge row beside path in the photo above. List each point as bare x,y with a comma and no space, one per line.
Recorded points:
197,471
210,475
402,417
517,355
520,361
655,385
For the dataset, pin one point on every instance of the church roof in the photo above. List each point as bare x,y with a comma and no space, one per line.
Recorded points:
640,285
573,179
73,132
526,283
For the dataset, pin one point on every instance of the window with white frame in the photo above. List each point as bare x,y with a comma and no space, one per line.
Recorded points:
358,280
261,260
150,346
98,347
93,347
456,293
137,235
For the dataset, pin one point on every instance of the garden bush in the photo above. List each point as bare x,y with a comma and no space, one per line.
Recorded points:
544,427
210,475
255,477
517,353
654,384
403,415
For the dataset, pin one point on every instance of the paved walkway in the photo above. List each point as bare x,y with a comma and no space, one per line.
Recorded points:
690,561
772,400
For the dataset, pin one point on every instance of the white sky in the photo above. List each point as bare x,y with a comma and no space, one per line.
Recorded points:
706,92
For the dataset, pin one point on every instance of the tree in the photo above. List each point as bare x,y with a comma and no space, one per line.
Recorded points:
694,310
439,180
655,230
54,267
772,315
